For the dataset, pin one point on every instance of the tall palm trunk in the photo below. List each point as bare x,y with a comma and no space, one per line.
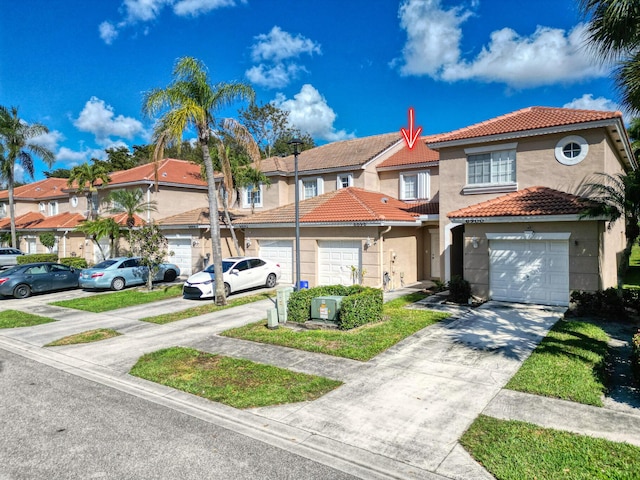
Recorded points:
12,209
227,220
216,246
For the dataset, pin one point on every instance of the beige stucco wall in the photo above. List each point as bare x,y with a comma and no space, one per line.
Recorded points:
584,248
389,181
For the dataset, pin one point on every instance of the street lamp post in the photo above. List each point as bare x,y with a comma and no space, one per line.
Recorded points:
296,143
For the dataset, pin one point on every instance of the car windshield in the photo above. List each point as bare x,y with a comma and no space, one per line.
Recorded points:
104,264
226,265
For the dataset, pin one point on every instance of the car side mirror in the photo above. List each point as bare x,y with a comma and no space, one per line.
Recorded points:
235,271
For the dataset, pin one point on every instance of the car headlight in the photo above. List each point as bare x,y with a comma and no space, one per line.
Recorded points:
208,282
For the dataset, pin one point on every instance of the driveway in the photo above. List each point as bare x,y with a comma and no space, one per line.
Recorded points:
400,414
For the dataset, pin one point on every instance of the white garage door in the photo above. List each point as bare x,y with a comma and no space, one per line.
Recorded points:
529,271
281,252
181,248
335,259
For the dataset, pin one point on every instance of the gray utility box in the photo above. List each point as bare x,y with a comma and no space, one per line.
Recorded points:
326,308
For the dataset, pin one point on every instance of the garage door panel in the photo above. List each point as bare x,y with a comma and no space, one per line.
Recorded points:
529,271
280,252
335,259
181,249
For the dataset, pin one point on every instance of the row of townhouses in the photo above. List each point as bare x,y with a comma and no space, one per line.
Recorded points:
496,203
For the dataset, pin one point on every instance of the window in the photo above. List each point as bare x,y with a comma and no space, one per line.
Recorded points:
414,185
3,209
53,208
74,201
243,265
571,150
41,207
491,169
311,187
252,196
344,181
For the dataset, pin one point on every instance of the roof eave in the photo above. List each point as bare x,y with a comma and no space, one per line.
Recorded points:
409,166
574,217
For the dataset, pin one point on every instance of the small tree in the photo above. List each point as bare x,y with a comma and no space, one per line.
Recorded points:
150,245
100,228
48,239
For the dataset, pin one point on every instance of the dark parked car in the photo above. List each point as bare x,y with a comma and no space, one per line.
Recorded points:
23,280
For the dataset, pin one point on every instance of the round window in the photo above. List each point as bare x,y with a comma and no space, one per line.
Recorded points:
571,150
74,201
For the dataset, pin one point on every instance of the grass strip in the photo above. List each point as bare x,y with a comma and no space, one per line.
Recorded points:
16,318
205,308
569,364
85,337
361,343
235,382
122,299
514,450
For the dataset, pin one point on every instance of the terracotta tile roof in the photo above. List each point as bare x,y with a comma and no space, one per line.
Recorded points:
339,206
344,154
23,221
62,220
419,154
121,219
43,189
531,118
198,216
531,201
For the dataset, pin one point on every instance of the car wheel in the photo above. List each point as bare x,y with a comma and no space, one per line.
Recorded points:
271,280
22,291
227,290
170,275
117,283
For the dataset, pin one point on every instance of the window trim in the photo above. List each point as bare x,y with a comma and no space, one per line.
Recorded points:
339,178
246,203
569,161
319,186
502,187
423,184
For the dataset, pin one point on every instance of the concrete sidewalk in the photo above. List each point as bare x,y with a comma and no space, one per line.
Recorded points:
399,415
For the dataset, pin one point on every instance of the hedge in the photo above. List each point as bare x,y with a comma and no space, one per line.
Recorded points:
361,304
75,262
37,257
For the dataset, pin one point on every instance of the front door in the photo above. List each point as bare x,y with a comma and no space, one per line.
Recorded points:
434,252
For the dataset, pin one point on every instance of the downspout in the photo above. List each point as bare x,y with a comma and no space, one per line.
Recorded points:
381,253
64,243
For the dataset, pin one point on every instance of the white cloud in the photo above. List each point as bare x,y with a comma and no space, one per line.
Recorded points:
548,56
49,140
310,113
99,119
278,45
141,11
587,102
71,158
108,32
275,52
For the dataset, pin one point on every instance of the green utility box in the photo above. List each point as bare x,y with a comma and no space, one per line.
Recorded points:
326,308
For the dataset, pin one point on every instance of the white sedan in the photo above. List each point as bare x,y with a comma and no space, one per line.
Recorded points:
239,273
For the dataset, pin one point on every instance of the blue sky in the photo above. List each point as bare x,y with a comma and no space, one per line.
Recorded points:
342,69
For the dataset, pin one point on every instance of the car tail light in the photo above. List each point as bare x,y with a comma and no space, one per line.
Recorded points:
4,279
97,274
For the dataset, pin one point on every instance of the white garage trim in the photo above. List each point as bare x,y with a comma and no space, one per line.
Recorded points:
280,252
529,271
535,236
336,259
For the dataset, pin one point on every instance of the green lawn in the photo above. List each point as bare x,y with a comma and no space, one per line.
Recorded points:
513,450
122,299
568,363
235,382
361,343
85,337
16,318
632,277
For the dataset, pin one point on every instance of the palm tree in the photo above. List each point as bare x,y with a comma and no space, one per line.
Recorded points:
614,34
100,228
617,197
130,202
251,178
16,138
191,101
86,177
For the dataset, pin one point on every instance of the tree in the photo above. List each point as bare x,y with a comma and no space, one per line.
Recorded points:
57,173
614,34
16,138
100,228
251,178
86,176
48,239
617,197
150,245
118,158
192,101
132,203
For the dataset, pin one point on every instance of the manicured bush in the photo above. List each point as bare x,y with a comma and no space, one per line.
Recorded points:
459,289
360,308
75,262
635,356
299,305
609,303
37,257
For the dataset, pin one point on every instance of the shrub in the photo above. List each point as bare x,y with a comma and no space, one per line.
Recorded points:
75,262
603,303
37,257
635,356
299,305
48,239
360,308
459,290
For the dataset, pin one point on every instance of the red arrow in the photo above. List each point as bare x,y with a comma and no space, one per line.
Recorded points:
411,136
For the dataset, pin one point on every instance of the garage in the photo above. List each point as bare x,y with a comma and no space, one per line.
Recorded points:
336,260
181,248
529,271
280,252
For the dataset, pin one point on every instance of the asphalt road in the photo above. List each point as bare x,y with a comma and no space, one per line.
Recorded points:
57,425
